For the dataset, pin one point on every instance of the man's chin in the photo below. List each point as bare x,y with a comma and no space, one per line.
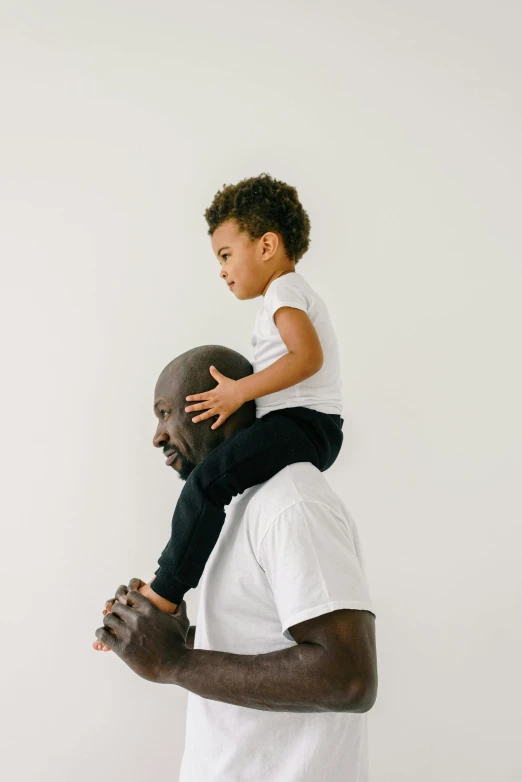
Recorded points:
185,470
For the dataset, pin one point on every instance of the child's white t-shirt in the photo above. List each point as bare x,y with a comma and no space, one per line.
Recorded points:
320,392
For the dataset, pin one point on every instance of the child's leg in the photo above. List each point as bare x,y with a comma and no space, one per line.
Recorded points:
324,430
251,456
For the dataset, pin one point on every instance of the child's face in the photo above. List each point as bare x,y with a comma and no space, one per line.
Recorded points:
243,266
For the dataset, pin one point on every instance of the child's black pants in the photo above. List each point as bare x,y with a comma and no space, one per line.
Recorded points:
251,456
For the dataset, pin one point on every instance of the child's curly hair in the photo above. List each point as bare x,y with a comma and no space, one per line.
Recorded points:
262,204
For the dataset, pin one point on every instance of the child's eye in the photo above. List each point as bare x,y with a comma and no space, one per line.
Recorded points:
224,256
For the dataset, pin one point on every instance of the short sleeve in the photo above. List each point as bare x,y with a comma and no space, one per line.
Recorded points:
312,564
283,292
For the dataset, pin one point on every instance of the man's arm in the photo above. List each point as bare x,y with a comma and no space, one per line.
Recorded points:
332,668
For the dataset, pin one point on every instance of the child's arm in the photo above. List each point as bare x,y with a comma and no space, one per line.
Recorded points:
304,359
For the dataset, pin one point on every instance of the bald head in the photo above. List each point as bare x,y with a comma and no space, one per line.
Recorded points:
189,374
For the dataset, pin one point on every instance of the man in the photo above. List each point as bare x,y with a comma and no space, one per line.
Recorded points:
281,666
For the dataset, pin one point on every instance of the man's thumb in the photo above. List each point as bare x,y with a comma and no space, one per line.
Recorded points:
181,610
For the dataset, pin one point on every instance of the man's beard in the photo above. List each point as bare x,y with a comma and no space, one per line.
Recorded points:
185,468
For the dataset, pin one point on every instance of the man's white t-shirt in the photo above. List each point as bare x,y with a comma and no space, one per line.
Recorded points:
323,390
288,551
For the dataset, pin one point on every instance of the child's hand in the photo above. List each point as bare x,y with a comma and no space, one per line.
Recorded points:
222,400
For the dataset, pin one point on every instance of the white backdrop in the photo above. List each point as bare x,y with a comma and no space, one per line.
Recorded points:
399,123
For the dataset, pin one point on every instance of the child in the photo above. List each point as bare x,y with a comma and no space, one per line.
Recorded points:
259,232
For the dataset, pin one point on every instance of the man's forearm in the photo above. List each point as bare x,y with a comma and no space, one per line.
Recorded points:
300,678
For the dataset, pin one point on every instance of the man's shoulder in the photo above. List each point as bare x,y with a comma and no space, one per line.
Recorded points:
296,483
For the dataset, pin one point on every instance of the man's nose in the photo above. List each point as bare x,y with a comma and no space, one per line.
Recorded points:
159,439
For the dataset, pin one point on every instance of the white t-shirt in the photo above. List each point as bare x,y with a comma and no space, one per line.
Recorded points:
320,392
288,551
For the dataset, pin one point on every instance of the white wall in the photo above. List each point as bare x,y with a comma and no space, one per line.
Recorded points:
400,124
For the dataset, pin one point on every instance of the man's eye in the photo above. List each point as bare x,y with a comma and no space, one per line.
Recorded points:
161,413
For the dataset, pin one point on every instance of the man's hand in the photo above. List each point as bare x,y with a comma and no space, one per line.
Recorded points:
134,583
222,401
149,641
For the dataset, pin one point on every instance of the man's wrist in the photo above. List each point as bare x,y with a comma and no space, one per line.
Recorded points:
175,672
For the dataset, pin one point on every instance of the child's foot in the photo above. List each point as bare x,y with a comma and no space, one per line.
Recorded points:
98,645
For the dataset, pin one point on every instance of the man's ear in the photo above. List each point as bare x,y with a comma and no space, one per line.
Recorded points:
227,428
242,418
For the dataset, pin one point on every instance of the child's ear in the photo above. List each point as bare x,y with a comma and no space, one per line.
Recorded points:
269,244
